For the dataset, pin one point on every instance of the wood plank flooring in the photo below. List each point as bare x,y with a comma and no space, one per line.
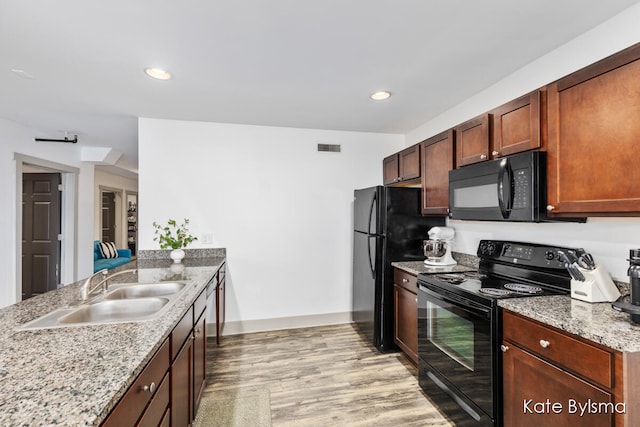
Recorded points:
323,376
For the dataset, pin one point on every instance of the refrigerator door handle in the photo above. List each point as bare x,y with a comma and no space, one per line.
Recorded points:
373,270
373,204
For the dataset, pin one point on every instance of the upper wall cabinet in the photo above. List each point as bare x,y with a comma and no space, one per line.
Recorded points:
594,129
516,125
472,141
402,167
437,161
509,129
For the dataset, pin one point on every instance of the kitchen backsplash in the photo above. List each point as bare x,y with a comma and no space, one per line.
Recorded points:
189,253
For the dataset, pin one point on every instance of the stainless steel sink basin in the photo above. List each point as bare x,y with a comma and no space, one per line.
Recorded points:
125,302
145,290
115,310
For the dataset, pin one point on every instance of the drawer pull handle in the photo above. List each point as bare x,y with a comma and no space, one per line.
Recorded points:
150,388
504,348
544,343
483,156
405,280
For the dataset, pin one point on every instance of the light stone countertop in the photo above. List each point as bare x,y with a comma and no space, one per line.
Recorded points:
597,322
419,267
74,376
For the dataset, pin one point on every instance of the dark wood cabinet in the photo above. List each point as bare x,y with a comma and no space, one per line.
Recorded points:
437,160
542,364
169,389
182,386
472,141
593,137
390,169
406,313
402,167
148,390
199,360
517,125
220,291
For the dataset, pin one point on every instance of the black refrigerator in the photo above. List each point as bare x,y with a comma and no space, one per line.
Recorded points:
388,227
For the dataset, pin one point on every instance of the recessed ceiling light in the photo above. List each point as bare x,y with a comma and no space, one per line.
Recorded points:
380,96
157,73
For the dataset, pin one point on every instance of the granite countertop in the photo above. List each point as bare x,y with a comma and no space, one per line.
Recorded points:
74,376
597,322
465,263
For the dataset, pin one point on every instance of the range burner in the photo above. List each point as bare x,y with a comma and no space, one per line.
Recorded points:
494,292
452,278
522,288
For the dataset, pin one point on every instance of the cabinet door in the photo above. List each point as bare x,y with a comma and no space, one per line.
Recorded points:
437,161
472,141
199,360
517,126
409,159
390,169
181,386
406,322
593,138
528,380
220,301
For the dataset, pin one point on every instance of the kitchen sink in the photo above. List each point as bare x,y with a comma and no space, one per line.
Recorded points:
124,302
145,290
115,310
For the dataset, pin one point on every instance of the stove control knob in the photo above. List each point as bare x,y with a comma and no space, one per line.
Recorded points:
549,255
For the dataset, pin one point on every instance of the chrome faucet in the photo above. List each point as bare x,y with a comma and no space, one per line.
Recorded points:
86,290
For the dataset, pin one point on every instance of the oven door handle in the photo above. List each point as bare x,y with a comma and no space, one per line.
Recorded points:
462,303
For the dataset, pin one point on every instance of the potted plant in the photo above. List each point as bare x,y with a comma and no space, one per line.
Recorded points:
173,236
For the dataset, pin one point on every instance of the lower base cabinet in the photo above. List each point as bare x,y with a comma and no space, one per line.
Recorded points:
167,392
551,378
405,296
181,386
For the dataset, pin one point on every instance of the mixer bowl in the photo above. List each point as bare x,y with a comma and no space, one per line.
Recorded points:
434,249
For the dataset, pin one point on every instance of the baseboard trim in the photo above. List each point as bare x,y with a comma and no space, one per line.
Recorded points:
280,323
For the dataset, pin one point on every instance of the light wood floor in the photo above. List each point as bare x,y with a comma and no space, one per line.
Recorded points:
324,376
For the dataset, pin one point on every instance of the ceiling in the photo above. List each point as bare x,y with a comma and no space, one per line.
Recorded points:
307,64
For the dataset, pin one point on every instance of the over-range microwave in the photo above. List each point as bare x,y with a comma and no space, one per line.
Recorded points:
512,188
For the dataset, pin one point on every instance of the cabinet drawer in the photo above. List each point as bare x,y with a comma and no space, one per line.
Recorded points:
588,361
181,332
136,399
405,280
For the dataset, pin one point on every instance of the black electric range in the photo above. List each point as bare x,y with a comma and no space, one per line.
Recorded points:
460,330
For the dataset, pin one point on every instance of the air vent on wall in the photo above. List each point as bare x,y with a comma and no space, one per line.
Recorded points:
334,148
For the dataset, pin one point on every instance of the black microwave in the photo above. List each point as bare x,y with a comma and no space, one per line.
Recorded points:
512,188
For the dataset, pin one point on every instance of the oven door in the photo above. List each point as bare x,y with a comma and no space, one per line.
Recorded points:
456,351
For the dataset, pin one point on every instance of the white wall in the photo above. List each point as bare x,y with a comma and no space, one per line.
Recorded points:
609,239
15,138
282,209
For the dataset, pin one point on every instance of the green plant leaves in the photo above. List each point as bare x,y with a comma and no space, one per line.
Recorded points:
172,235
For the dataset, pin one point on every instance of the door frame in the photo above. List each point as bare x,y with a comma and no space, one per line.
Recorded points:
68,215
120,215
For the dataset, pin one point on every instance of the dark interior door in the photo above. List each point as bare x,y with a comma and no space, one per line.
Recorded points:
108,216
40,230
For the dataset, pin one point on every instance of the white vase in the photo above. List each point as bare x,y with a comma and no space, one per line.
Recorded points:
177,255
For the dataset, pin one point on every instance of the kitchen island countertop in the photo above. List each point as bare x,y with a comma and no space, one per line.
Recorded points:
596,322
74,376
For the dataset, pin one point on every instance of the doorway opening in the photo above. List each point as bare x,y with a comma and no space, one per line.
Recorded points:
46,229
